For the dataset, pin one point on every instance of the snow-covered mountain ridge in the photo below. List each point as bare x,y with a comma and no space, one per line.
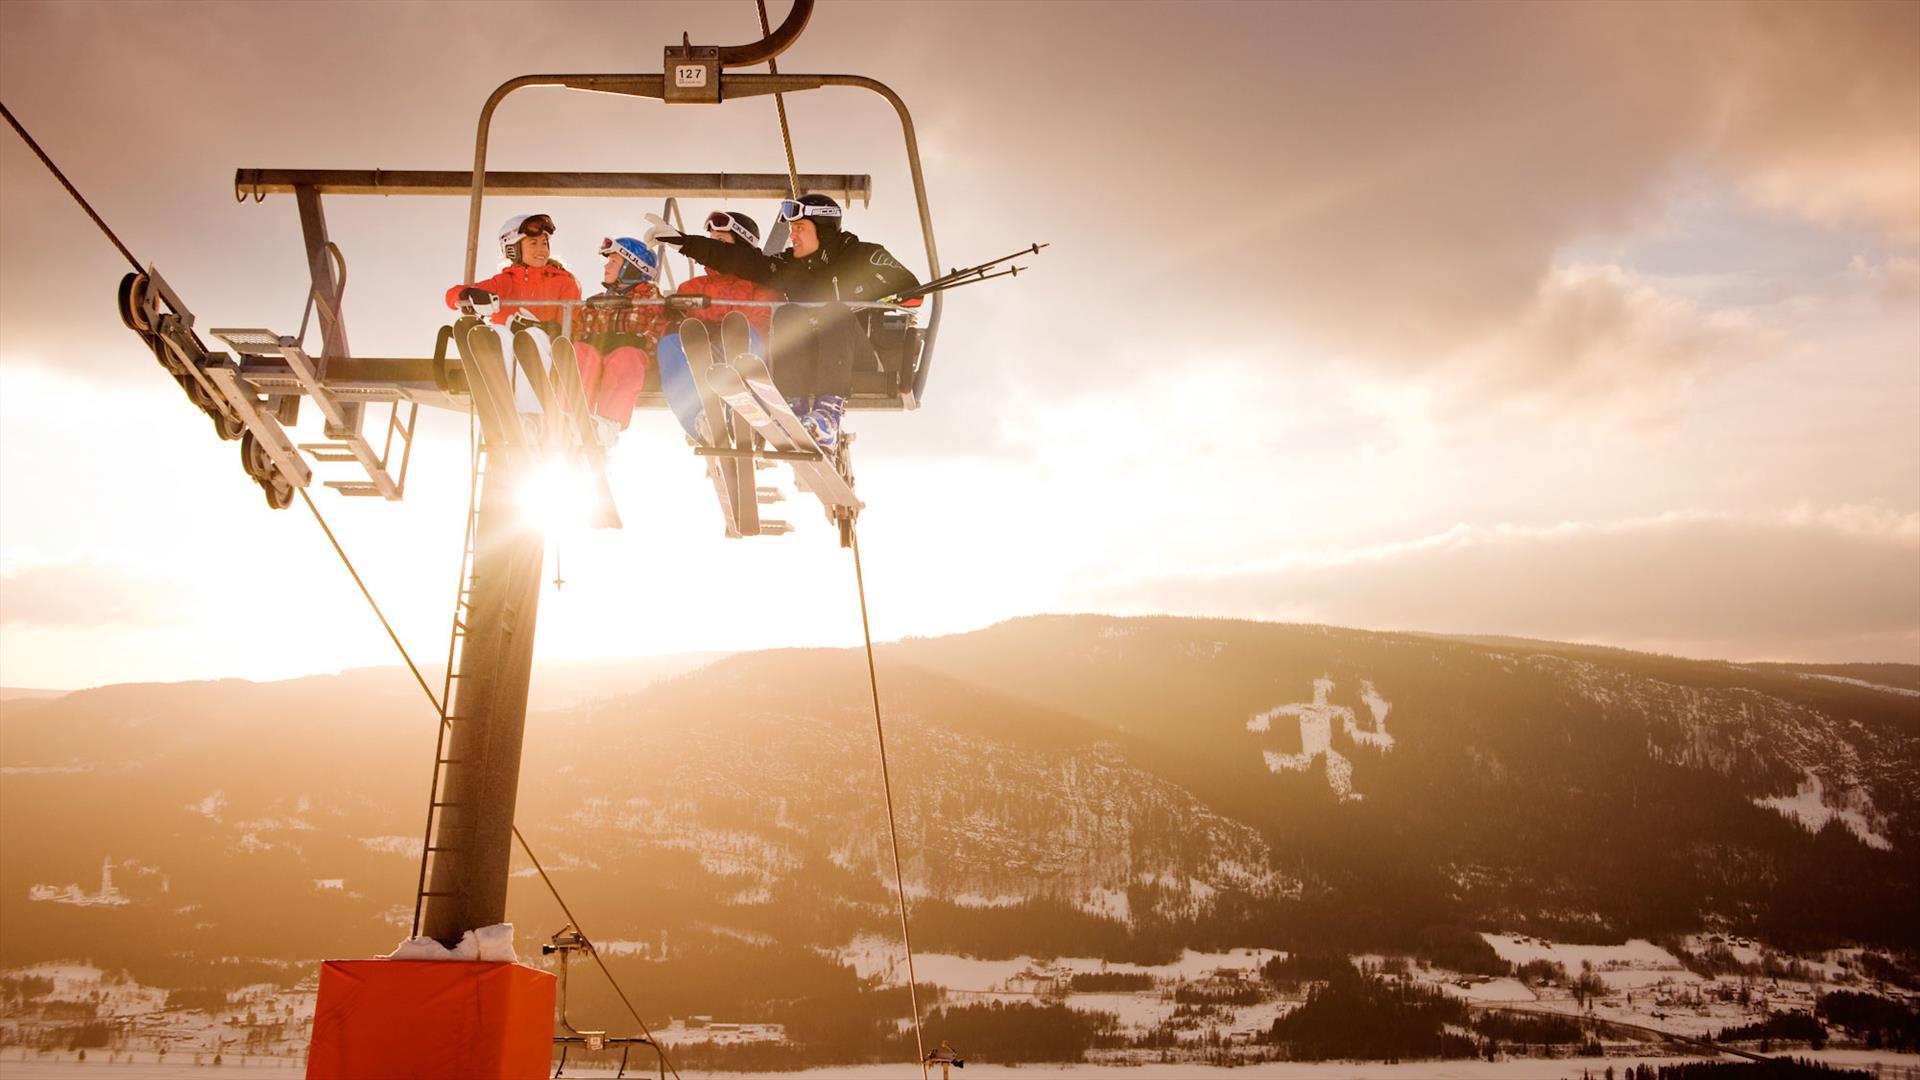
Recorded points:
1087,782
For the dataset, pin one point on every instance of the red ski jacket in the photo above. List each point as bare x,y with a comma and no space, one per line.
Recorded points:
520,283
719,286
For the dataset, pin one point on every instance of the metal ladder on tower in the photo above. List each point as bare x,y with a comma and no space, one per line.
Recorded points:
434,840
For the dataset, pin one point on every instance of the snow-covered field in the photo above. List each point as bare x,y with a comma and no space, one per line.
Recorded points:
881,956
1645,985
1638,953
1892,1066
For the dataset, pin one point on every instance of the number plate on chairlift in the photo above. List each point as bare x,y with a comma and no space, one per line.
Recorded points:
693,74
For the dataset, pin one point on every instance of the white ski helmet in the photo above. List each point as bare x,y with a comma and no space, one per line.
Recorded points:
520,225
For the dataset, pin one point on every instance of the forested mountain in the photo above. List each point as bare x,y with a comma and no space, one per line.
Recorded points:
1066,786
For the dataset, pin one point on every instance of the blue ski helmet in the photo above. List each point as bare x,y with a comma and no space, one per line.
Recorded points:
640,265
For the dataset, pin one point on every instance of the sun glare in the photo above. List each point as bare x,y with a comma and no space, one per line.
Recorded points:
557,496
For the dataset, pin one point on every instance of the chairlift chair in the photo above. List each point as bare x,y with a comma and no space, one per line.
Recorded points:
253,393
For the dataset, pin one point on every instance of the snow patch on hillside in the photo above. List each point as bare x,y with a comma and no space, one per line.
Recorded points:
1808,806
871,955
409,846
1742,733
1637,953
1882,687
983,900
1107,903
1378,706
1316,720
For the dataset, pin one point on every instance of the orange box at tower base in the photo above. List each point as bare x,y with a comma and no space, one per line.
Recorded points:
431,1020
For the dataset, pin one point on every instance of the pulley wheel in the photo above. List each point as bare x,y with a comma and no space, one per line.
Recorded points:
273,484
133,303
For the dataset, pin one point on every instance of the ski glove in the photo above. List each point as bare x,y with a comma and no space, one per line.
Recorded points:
472,299
658,230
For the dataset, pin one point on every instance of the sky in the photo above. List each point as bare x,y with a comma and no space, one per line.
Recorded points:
1590,322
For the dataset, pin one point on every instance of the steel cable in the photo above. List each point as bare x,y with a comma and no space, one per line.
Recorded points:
780,105
71,190
319,518
886,783
445,722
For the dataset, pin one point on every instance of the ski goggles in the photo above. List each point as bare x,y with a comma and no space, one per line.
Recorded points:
794,210
538,225
721,221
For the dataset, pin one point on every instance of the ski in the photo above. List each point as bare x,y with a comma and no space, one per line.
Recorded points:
535,398
732,476
573,400
679,385
747,386
486,368
782,431
735,336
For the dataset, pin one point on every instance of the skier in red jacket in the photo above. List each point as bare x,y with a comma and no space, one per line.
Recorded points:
532,273
731,228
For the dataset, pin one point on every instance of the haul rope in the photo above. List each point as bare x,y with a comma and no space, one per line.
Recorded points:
866,631
780,105
446,722
886,783
71,190
371,602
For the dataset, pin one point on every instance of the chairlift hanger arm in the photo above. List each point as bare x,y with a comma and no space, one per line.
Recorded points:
773,44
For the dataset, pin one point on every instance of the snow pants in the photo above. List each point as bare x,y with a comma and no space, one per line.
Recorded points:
814,350
613,371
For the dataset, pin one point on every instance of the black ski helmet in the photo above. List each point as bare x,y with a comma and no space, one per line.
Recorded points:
827,225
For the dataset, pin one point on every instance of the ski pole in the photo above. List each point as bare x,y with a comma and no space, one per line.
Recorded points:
929,290
954,277
1032,249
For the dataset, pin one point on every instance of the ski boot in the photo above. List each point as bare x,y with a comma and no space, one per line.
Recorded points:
802,409
823,422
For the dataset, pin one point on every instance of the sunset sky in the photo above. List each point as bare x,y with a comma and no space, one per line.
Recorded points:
1588,322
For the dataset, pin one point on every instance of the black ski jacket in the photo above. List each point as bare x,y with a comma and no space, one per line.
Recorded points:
846,268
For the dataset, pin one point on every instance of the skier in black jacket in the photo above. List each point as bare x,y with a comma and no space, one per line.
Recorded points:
813,347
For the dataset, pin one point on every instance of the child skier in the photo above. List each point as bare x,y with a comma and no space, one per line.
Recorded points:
618,331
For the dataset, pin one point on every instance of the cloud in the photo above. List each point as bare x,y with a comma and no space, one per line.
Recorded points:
1895,279
1600,335
90,592
1817,105
1401,184
1837,582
